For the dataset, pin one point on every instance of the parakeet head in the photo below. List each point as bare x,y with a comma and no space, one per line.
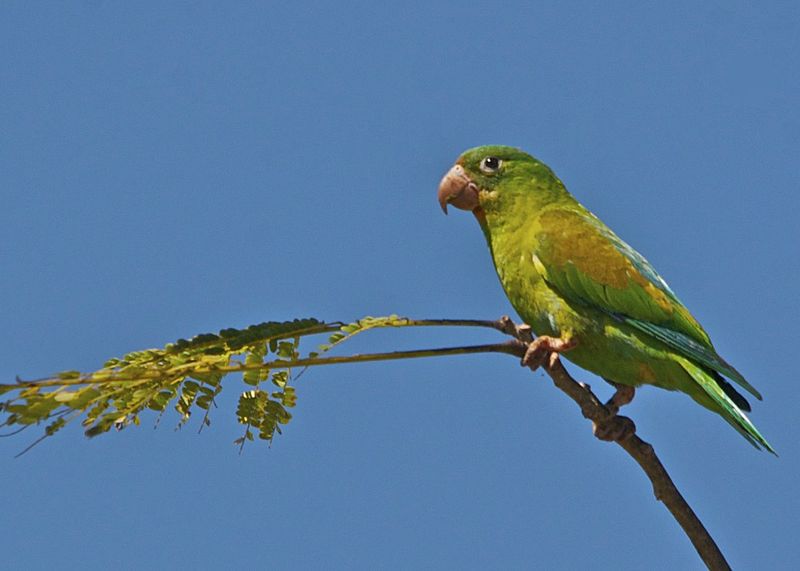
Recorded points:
494,177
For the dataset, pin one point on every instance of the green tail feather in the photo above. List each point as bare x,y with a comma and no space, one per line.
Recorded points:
729,411
694,350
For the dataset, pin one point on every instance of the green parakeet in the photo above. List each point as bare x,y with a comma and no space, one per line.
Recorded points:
571,278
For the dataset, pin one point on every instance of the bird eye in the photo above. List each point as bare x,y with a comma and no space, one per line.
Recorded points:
490,164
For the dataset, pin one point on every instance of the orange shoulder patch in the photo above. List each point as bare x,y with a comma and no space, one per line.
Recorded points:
568,239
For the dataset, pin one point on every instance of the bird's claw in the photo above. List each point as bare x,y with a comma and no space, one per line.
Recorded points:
623,395
545,349
616,428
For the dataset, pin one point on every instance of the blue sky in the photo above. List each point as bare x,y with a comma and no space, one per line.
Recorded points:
169,169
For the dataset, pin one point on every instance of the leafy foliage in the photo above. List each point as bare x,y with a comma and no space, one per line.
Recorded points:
186,374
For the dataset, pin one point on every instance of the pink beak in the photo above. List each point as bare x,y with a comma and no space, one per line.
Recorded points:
457,189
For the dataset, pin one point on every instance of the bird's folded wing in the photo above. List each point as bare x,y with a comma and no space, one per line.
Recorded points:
586,263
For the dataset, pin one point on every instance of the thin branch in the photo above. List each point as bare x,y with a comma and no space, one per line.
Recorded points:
500,325
507,347
624,430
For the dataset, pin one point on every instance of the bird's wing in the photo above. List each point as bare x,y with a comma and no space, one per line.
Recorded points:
586,263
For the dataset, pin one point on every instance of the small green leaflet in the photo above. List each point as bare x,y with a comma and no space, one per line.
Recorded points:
187,375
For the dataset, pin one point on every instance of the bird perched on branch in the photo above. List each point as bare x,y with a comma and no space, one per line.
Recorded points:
584,291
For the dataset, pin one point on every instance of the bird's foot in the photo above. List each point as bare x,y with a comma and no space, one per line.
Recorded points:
623,395
615,428
541,349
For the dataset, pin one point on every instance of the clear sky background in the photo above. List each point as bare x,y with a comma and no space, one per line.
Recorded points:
176,168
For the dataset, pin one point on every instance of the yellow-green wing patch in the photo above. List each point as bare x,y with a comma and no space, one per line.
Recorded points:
586,260
587,263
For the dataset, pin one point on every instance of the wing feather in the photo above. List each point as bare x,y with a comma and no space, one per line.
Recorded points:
582,259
